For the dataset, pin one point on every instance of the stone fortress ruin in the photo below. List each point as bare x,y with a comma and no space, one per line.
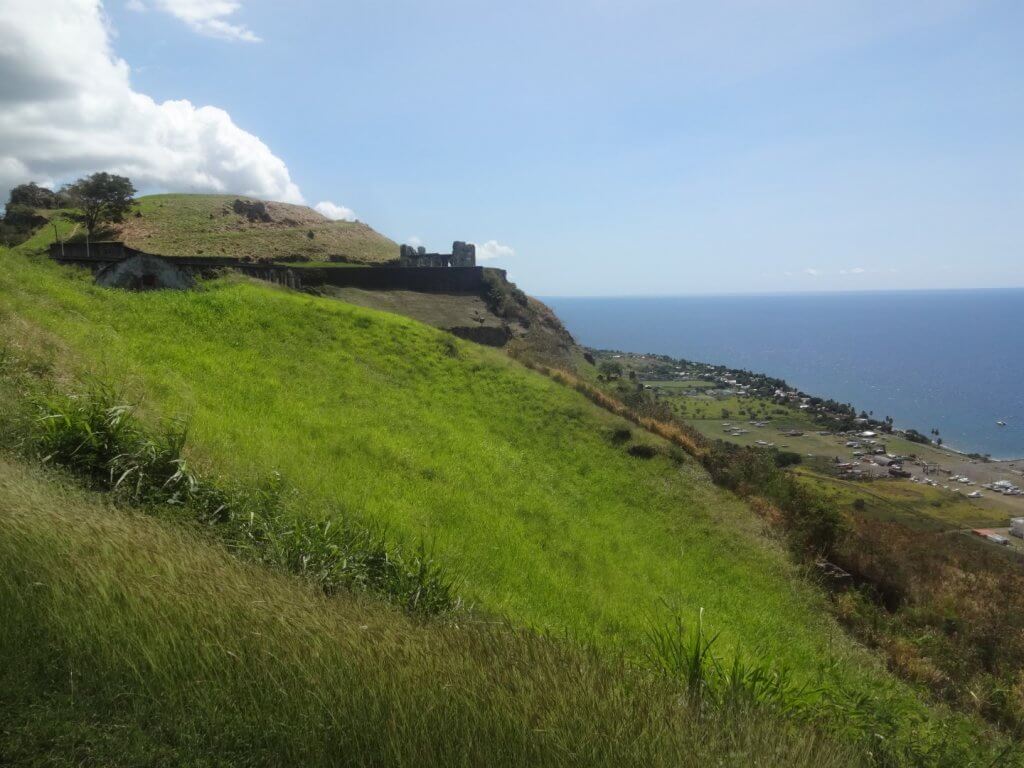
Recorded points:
462,255
117,265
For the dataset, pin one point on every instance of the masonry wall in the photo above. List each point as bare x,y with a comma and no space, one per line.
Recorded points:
427,279
390,278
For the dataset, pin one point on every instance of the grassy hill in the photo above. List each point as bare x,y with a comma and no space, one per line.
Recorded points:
213,225
157,648
521,487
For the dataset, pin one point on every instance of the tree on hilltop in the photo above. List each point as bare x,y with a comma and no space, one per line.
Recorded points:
32,195
103,198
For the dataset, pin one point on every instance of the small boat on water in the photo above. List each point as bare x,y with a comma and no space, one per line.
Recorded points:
1000,423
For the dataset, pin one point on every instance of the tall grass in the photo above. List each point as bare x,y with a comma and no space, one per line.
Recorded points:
95,435
130,643
511,477
687,654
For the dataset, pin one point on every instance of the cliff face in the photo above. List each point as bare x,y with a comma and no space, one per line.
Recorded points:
535,332
499,315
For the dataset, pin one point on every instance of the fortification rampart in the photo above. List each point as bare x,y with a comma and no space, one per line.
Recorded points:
462,255
151,271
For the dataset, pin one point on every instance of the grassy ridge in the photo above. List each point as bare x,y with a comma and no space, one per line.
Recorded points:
155,648
189,225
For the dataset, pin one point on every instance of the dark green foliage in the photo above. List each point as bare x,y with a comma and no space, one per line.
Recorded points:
101,198
786,458
32,195
915,437
812,525
505,299
621,435
18,223
642,451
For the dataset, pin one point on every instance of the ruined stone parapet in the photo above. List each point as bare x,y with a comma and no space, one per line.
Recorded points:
462,255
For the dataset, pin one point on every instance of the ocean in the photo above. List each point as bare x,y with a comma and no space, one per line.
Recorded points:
949,360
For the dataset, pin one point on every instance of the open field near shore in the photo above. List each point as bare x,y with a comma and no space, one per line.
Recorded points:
914,503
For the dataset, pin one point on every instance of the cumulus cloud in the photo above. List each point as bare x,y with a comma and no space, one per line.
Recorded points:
335,212
414,241
812,272
492,249
67,108
207,17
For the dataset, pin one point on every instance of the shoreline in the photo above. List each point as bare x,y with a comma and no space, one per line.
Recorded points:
899,431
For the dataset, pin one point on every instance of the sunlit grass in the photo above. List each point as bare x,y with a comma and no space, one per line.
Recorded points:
514,480
127,642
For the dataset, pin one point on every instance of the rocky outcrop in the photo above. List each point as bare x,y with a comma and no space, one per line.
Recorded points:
253,210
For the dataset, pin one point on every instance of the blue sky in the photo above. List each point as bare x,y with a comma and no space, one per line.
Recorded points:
632,148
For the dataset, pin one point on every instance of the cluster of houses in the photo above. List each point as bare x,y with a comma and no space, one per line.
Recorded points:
1016,529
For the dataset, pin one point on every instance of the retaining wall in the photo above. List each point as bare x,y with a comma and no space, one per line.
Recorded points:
385,278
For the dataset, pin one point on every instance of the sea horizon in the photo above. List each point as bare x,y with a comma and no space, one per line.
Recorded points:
725,294
930,358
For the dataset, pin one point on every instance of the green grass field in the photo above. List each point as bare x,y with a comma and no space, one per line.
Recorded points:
157,648
190,225
512,480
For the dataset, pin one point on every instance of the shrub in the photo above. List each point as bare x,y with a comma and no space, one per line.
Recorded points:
786,458
621,435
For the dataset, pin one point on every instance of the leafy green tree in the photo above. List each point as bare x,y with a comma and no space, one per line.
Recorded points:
32,195
102,198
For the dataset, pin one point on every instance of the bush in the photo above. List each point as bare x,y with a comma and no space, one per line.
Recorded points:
642,451
786,458
621,435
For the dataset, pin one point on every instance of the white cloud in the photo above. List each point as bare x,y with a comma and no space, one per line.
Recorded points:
335,212
207,17
492,249
812,272
67,108
854,271
414,241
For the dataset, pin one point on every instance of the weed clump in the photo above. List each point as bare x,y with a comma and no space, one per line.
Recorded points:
97,437
642,451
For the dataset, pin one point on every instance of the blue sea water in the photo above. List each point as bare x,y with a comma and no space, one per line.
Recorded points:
951,360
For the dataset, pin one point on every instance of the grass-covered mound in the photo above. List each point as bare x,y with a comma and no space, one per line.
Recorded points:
216,225
128,642
538,501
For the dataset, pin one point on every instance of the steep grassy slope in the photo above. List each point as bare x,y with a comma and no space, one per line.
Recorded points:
512,478
189,225
514,481
127,642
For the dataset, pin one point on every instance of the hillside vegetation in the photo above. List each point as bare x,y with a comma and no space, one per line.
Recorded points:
157,648
543,506
212,225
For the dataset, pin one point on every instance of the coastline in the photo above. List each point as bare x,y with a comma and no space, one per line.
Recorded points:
931,359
